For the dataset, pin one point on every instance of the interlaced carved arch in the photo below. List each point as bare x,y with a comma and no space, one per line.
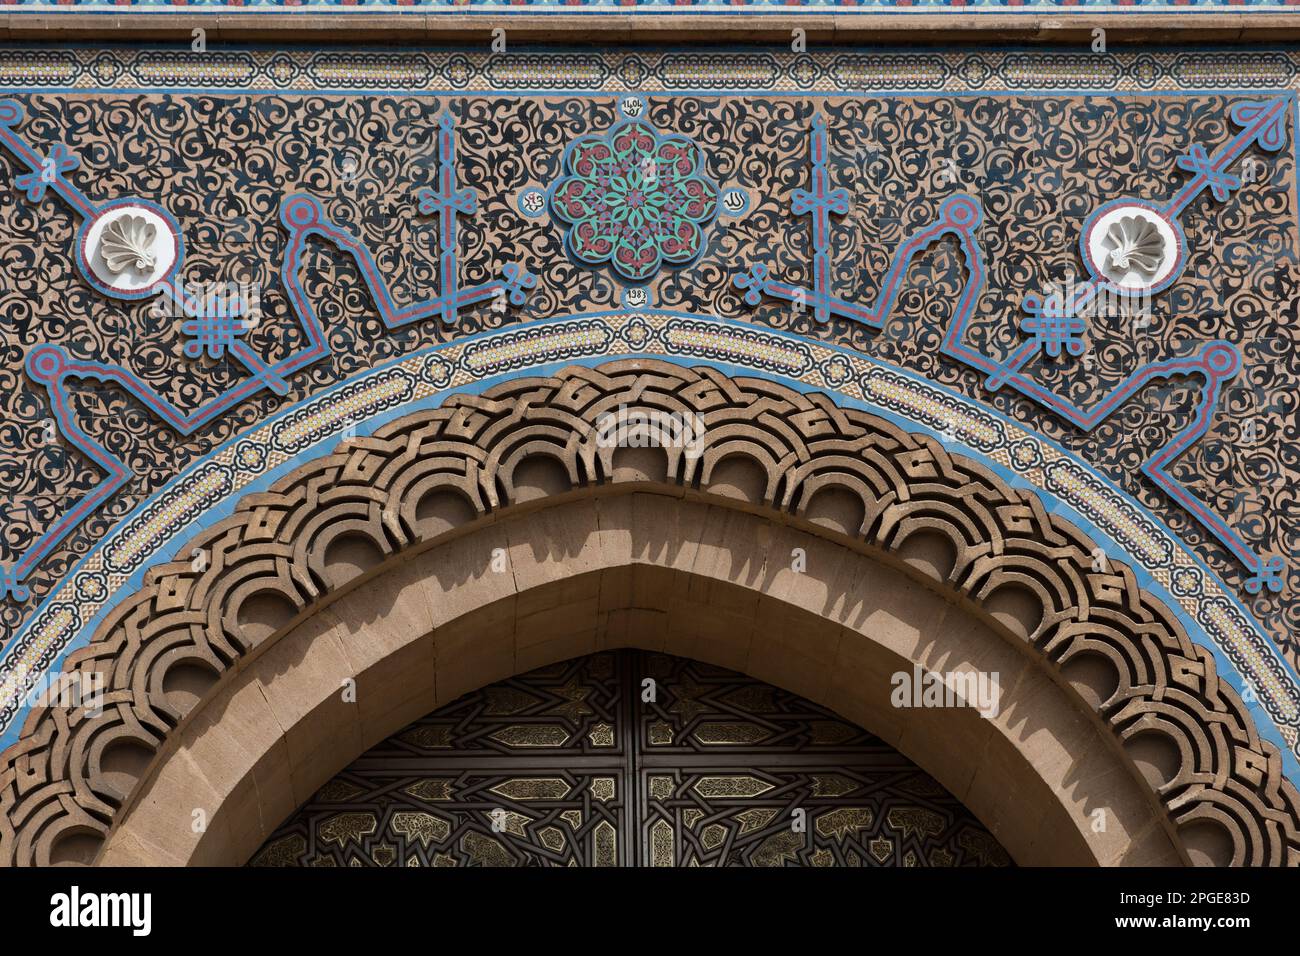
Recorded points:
840,473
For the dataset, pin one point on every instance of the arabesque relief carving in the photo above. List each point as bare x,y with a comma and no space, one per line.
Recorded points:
764,448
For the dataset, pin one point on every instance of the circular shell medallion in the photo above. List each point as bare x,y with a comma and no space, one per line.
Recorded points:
1133,247
127,248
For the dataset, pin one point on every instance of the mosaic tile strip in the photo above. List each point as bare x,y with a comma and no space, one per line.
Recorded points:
701,339
646,70
176,508
1089,497
355,402
512,351
924,403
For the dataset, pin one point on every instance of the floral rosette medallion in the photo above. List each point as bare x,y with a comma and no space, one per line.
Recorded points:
634,198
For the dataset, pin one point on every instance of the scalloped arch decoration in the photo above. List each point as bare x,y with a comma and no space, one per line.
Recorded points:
72,775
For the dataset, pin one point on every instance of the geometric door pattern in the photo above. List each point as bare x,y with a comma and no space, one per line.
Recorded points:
632,758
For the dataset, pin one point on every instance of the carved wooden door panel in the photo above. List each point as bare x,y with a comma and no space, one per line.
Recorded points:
637,759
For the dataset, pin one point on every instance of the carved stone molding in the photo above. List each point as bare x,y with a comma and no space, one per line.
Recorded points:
842,474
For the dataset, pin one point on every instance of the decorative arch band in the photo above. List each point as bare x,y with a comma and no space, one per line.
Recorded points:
1123,530
639,201
268,566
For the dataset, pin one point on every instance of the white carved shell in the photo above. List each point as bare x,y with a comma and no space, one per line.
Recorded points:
127,242
1138,245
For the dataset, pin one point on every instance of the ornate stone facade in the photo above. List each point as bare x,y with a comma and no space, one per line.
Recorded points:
839,471
1076,270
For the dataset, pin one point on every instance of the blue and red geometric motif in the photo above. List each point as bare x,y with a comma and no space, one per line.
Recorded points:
218,330
1056,324
214,334
1197,162
634,198
56,164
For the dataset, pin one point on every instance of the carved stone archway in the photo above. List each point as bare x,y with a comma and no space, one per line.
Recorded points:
376,563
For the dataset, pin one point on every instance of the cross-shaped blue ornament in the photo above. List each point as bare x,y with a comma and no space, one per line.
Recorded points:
1197,162
60,161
